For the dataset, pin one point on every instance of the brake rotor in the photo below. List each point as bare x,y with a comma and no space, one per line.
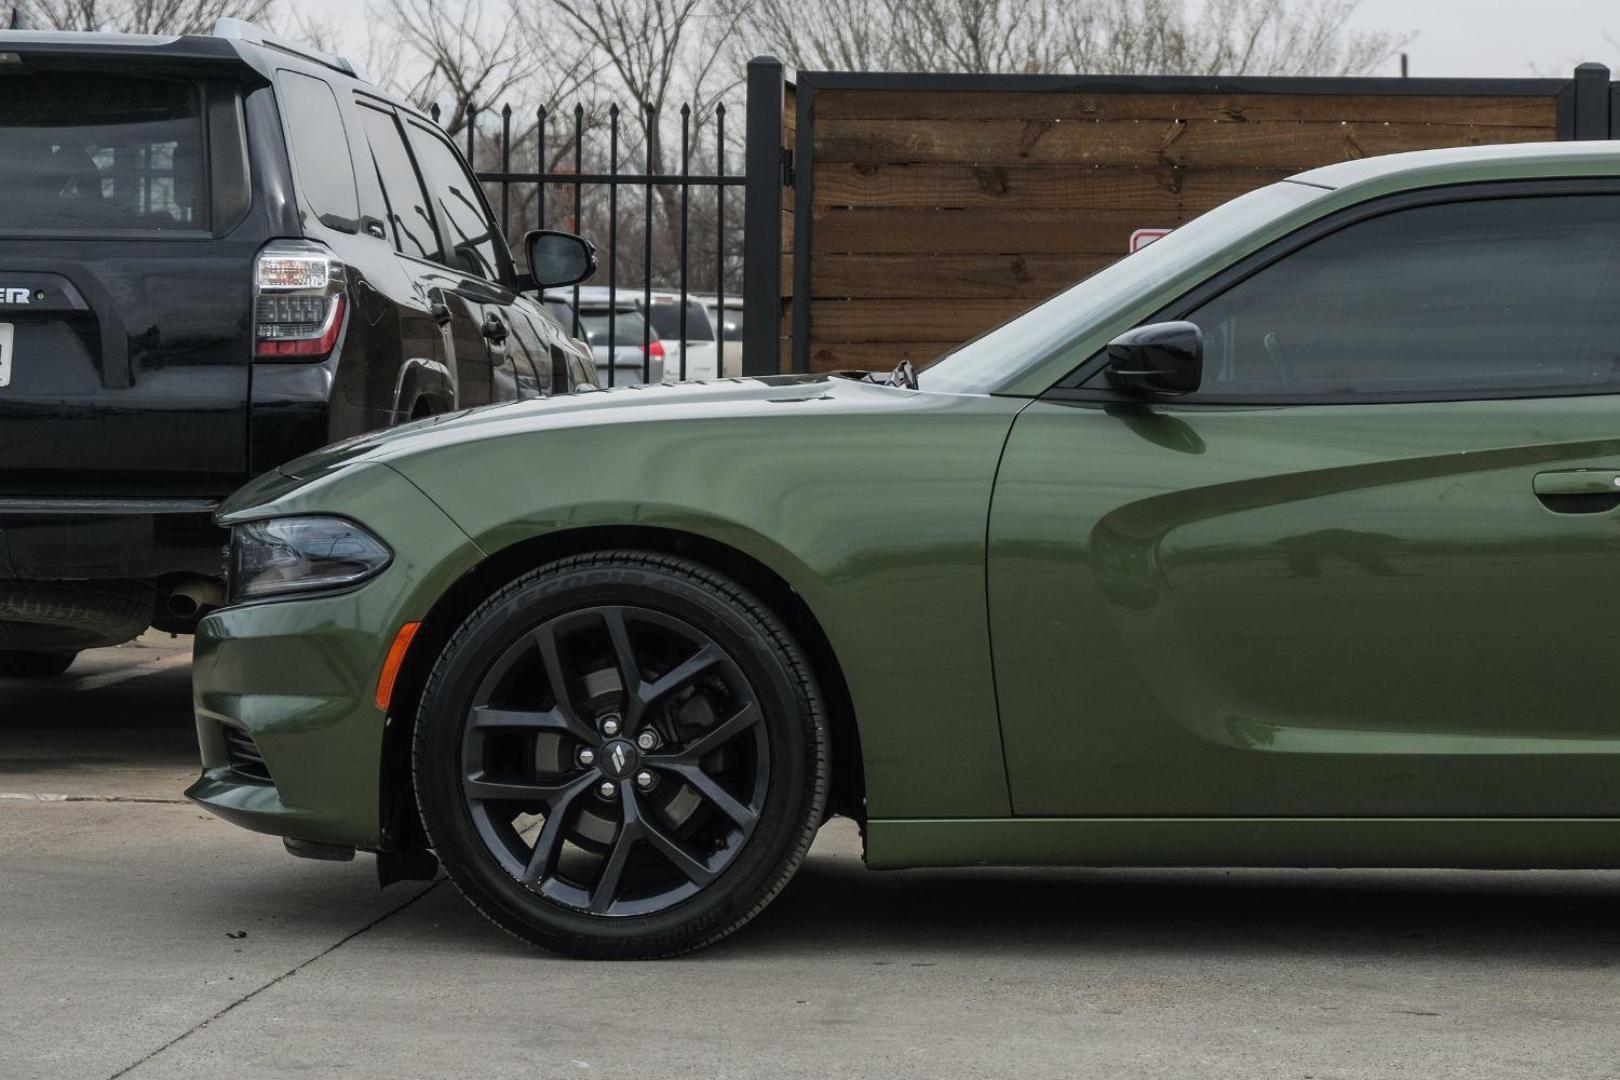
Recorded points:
676,805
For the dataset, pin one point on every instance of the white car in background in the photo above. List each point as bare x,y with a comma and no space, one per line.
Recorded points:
701,353
728,325
634,356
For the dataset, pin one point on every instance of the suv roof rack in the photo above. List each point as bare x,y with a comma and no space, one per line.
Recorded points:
242,30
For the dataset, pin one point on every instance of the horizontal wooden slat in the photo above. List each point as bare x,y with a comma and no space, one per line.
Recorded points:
1033,187
1010,231
874,356
1517,111
907,320
978,276
1201,143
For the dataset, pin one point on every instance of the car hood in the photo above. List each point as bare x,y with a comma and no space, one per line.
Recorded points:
664,403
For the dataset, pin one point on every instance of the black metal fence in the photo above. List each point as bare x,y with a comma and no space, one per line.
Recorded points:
571,166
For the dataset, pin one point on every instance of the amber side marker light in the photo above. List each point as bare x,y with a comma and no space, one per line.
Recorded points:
391,666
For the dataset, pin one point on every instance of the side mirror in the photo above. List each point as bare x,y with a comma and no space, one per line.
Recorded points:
559,258
1161,358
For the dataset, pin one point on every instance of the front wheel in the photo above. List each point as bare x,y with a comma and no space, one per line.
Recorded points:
22,664
621,755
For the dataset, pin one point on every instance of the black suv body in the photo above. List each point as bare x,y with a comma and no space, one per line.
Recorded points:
216,254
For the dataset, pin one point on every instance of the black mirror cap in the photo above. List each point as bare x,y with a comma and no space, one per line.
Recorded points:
559,258
1165,358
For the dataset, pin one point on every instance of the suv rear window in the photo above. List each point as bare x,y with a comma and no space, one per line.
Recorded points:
99,152
666,319
628,329
320,149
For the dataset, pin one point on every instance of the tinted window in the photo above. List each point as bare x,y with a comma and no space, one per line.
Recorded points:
666,319
409,226
1488,296
320,149
97,152
731,320
628,327
459,206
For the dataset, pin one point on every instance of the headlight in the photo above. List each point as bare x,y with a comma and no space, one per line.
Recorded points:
302,554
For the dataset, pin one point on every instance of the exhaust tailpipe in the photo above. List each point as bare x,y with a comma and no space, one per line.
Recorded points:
194,597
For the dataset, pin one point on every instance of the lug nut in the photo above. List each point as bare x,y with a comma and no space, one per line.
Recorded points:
587,756
644,779
607,790
646,740
610,726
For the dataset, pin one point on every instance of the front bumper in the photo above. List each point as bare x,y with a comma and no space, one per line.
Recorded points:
294,680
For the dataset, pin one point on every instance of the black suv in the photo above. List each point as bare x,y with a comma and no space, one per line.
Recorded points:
217,253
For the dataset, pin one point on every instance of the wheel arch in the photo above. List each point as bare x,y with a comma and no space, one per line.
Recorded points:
401,828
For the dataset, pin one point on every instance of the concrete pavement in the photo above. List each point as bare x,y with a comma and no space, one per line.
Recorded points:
120,956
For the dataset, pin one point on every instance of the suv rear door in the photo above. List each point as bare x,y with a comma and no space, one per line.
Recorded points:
476,269
126,255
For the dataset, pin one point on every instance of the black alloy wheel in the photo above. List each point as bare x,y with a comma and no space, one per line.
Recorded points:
621,755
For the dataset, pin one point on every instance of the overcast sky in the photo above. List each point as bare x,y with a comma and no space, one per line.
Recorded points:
1448,37
1498,37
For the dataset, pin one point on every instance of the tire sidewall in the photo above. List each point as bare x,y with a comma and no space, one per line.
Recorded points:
769,661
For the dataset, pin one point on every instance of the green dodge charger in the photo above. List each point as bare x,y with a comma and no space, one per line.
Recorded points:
1287,540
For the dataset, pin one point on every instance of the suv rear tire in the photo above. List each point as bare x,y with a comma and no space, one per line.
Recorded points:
66,616
674,810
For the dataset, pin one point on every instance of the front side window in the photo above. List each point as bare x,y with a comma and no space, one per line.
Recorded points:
82,151
459,205
1490,296
320,149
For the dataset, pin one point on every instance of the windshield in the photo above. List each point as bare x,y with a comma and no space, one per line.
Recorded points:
1062,323
89,151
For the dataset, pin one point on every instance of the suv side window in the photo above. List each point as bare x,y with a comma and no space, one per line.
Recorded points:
410,226
1490,296
458,203
320,149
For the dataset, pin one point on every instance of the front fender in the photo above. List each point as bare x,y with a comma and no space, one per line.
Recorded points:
877,519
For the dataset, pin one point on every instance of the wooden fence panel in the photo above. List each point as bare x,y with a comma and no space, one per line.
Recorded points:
936,214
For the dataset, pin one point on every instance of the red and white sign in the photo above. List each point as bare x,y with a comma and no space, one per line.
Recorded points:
1141,238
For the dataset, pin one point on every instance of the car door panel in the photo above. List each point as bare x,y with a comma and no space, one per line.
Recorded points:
1379,595
1301,611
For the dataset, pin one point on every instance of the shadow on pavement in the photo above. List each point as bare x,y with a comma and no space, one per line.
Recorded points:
57,734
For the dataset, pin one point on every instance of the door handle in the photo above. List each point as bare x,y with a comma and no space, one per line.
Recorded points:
1578,491
494,329
374,227
440,312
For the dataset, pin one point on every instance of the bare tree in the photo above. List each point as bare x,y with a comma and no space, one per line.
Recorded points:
138,16
656,53
1149,37
454,51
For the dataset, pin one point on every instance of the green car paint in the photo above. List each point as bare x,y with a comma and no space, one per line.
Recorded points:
1071,632
301,675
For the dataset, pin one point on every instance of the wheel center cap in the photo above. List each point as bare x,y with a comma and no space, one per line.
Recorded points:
620,758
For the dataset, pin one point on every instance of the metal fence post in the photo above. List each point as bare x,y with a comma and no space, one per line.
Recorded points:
1592,102
762,219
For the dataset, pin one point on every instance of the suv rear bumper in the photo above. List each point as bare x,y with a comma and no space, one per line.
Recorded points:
56,539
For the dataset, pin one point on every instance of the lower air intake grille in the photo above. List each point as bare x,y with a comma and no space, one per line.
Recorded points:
245,757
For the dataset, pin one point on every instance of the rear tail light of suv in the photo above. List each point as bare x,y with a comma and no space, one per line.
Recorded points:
300,301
